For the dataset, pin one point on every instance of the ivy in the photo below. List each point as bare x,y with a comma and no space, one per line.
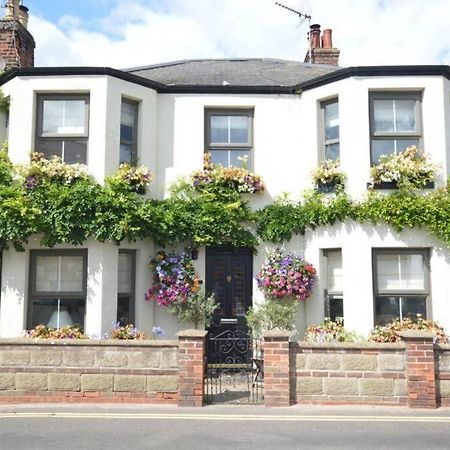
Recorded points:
70,207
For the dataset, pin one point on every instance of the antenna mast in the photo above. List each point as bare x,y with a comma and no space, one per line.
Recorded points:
303,17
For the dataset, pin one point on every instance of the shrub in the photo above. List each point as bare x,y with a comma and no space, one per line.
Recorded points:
391,331
271,315
196,307
330,331
44,332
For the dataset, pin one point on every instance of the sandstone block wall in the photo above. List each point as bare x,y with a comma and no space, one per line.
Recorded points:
100,371
348,373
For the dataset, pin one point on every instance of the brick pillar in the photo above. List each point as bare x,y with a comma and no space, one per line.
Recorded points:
191,370
420,372
276,368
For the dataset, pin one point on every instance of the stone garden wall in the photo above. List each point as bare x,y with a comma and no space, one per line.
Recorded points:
442,362
348,373
82,370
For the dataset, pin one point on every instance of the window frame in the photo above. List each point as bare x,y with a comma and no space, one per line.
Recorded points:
56,137
132,294
324,142
42,295
383,136
134,142
241,112
330,295
402,293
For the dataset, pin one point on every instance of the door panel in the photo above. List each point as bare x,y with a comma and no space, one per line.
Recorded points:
229,277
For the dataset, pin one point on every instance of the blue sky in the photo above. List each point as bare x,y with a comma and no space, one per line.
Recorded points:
130,33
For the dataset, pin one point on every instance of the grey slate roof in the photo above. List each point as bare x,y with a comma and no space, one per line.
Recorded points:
232,72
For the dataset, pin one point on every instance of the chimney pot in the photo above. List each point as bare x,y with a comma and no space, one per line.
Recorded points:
327,41
314,35
23,16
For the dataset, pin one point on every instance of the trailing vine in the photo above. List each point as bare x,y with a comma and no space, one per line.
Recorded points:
69,207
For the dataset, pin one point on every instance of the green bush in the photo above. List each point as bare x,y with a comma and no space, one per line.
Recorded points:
197,308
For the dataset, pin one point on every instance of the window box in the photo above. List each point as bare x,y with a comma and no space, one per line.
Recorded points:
393,185
327,188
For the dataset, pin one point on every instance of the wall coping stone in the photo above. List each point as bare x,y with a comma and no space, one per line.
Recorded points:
277,334
352,345
88,342
445,347
192,333
417,334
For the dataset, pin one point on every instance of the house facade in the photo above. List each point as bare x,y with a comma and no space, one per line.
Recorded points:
284,117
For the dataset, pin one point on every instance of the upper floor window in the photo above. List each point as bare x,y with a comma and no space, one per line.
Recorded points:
128,131
334,303
330,121
57,288
401,283
63,127
395,123
229,137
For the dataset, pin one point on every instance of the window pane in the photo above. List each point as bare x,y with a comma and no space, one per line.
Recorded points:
389,146
126,154
128,114
126,133
219,129
400,272
49,147
71,273
383,116
124,311
125,275
54,312
240,158
336,307
331,113
386,309
334,271
219,157
332,151
405,116
411,306
64,117
46,274
75,152
239,129
59,273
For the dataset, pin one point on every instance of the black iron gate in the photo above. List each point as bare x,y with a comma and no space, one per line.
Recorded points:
234,369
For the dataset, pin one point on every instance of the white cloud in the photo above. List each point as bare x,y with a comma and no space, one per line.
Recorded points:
135,33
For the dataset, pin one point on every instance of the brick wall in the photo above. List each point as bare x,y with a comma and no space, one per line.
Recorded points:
348,373
88,371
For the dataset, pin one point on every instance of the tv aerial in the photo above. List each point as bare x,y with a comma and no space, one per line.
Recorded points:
301,15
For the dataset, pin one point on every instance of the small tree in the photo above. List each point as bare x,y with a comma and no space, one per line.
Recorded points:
196,307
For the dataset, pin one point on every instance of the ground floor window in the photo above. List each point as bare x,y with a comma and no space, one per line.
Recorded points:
126,287
334,300
401,284
57,294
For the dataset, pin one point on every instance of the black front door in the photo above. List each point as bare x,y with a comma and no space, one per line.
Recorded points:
229,277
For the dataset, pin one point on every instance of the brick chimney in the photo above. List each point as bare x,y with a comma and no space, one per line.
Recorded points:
16,43
321,50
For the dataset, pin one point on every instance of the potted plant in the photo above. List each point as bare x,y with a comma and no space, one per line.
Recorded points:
328,176
407,169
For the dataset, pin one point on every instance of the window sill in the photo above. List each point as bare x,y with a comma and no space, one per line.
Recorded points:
393,185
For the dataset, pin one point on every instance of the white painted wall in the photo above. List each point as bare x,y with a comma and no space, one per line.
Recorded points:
286,150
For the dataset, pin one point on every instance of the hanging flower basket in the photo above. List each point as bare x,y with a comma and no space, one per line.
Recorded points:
286,275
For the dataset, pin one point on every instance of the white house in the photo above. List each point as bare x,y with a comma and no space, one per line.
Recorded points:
286,116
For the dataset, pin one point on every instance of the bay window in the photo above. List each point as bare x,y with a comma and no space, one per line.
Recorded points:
57,294
334,303
62,127
401,284
395,122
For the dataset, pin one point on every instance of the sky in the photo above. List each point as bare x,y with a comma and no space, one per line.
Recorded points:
130,33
